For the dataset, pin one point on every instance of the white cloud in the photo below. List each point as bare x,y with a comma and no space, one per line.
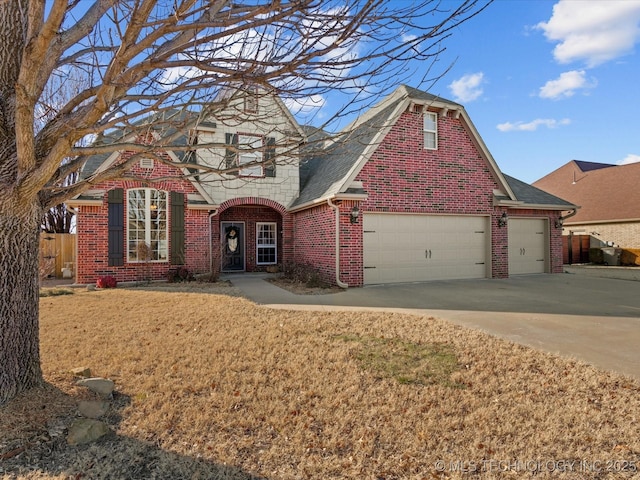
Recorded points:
566,85
303,106
533,125
468,87
631,158
594,31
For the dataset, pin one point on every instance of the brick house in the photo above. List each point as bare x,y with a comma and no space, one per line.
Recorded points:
609,201
408,192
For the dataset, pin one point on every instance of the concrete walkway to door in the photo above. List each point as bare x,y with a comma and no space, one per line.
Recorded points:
596,320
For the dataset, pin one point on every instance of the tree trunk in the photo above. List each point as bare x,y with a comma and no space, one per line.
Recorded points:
19,297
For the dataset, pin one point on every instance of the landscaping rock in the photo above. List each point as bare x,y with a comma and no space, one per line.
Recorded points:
93,408
82,372
85,430
102,386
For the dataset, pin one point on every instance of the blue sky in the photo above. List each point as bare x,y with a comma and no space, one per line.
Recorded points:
546,82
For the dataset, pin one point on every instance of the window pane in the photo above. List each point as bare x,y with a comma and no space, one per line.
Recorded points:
147,226
430,131
253,171
430,122
266,243
429,140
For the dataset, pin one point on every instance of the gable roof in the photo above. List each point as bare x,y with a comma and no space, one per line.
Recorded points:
337,167
607,193
168,118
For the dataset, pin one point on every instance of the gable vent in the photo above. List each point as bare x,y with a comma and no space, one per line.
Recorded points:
146,163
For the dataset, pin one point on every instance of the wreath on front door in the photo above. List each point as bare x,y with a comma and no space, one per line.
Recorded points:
232,237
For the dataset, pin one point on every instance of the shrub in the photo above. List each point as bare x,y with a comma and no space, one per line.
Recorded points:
106,281
180,274
630,257
303,273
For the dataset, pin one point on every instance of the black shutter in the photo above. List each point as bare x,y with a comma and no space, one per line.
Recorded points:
115,199
270,158
177,228
231,155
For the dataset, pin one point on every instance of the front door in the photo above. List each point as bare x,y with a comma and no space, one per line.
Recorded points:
232,246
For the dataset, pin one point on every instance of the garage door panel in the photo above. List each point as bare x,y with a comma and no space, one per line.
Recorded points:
527,246
407,248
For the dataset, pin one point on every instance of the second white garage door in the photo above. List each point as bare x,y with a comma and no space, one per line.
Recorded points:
527,245
411,248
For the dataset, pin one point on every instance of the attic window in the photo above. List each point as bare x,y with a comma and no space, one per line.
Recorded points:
430,131
251,100
251,153
146,163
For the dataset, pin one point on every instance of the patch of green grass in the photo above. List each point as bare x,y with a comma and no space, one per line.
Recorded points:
407,362
55,292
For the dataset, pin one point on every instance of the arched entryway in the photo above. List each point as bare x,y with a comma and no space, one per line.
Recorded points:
251,235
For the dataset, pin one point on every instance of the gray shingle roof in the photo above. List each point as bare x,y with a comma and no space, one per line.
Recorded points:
331,165
427,97
168,118
534,196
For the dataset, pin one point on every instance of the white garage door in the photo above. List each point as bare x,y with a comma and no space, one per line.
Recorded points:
527,245
411,248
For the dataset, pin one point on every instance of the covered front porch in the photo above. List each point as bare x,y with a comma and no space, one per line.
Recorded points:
251,235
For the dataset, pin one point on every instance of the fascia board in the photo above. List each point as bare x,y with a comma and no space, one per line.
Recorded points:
485,152
319,201
541,206
192,180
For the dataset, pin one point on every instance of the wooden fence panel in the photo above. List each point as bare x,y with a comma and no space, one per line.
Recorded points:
57,253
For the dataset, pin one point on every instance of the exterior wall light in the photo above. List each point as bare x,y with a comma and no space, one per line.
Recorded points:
354,214
502,221
559,222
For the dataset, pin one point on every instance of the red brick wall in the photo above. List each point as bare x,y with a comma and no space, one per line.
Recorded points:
314,238
92,231
402,176
315,243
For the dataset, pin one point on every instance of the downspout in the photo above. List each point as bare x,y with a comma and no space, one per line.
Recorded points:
337,210
75,212
212,214
575,210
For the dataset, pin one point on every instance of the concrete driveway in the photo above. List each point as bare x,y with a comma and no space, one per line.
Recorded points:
596,320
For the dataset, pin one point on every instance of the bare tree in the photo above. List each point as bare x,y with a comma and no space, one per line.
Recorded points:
141,58
58,91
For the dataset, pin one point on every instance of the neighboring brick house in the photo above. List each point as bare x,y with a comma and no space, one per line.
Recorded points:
609,200
409,192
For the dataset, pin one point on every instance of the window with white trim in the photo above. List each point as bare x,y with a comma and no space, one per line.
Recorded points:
147,225
266,243
250,147
430,131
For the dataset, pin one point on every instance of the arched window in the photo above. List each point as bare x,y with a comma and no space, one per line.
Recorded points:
147,225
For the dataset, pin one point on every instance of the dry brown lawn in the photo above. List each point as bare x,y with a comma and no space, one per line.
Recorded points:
210,385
